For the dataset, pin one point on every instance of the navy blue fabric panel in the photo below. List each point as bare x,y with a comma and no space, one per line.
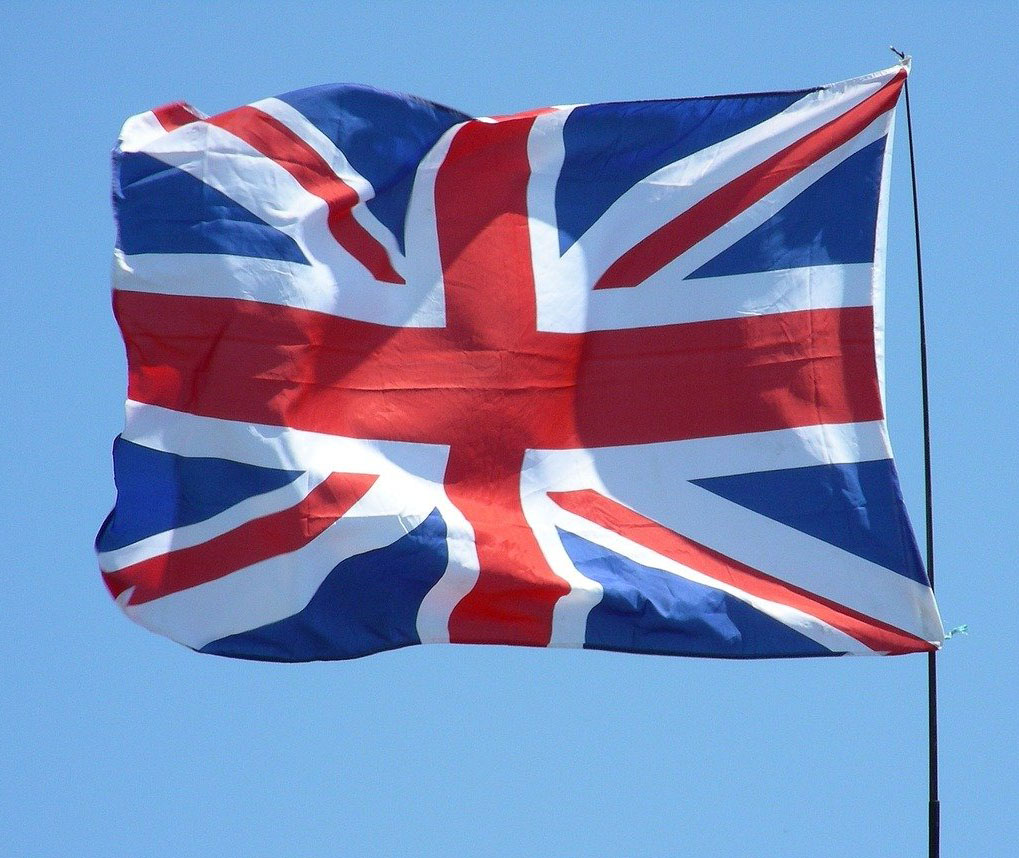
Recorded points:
857,507
653,611
368,603
611,147
161,209
833,222
158,491
383,135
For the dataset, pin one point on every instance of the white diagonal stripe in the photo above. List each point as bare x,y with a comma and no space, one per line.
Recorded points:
656,200
269,590
278,446
187,536
338,163
564,284
808,625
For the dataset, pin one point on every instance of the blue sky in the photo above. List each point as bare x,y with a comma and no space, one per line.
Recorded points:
117,742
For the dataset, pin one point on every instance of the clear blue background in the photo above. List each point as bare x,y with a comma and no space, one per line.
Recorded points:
116,742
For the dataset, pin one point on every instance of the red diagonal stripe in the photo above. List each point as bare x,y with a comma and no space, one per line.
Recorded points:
613,516
260,539
172,116
720,207
274,140
523,114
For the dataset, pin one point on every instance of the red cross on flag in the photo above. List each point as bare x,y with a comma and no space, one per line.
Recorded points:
602,376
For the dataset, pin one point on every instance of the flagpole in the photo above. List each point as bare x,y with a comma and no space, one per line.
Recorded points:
934,803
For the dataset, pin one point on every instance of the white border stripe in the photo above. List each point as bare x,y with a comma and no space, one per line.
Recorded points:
665,299
278,446
210,275
699,458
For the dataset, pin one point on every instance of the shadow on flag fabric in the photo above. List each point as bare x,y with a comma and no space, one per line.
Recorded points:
603,376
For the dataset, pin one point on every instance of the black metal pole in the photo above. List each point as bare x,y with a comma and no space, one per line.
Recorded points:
934,803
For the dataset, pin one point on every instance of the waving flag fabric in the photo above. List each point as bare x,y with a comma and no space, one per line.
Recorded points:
603,376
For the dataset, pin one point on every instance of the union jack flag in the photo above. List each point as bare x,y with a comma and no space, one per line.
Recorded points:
602,375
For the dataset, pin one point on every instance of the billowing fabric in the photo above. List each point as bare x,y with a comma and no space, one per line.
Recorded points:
601,376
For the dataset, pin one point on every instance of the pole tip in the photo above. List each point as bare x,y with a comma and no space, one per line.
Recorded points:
904,58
